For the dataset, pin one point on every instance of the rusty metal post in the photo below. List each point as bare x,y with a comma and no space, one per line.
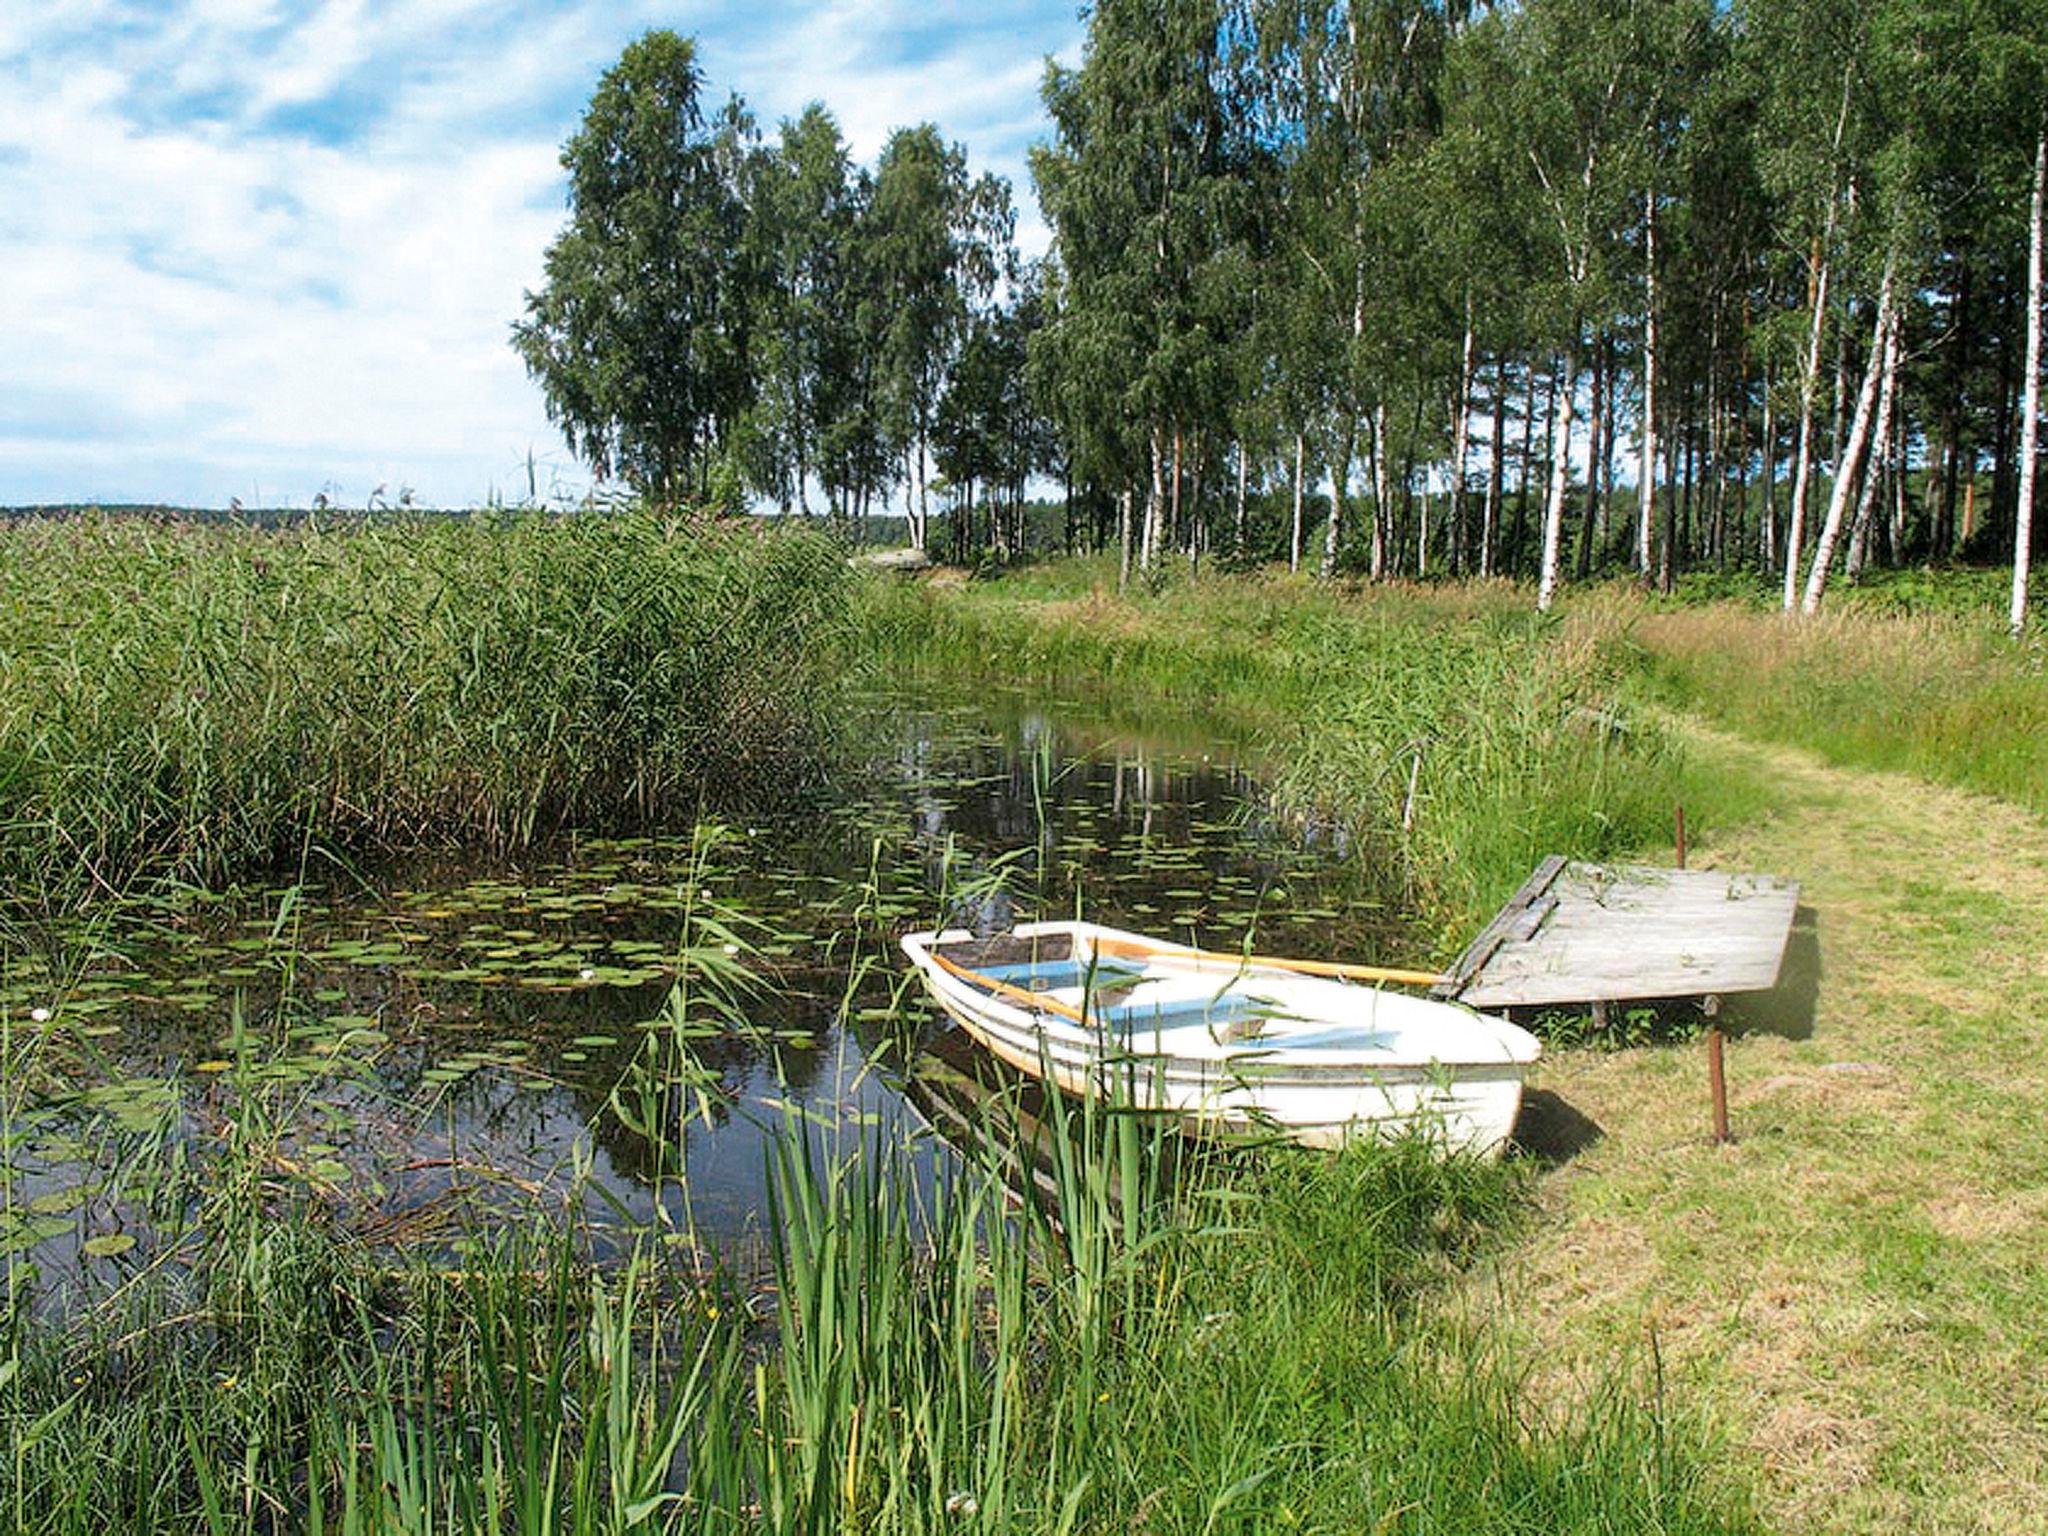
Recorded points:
1717,1081
1717,1071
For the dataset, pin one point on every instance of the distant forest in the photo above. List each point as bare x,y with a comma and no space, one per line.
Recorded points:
1542,289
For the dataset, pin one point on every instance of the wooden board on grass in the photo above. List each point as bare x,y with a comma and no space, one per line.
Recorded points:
1595,933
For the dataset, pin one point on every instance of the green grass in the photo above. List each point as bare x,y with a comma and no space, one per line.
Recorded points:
1457,736
208,703
1936,689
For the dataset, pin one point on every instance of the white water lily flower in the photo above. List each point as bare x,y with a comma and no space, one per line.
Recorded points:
586,974
39,1015
732,949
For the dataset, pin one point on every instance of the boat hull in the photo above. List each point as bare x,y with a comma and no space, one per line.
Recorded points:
1464,1105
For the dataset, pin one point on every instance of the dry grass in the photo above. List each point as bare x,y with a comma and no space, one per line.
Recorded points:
1854,1287
1943,695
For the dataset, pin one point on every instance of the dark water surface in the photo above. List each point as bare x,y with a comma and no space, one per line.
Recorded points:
451,1034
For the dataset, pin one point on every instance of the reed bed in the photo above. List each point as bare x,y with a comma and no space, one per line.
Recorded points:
207,703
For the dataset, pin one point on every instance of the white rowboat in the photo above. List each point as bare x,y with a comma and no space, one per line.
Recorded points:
1229,1042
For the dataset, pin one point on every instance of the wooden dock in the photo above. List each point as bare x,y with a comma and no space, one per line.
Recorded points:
1602,933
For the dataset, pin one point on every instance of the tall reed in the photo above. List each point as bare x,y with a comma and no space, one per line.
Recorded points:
205,702
1933,692
1215,1341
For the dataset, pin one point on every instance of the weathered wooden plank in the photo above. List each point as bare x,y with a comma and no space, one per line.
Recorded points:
1481,949
1583,933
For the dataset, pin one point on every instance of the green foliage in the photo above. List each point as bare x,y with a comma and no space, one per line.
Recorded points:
638,337
208,702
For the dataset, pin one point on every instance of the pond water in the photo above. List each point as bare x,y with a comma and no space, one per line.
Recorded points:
448,1034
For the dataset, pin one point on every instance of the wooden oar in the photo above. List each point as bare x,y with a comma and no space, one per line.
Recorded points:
1307,967
1037,1000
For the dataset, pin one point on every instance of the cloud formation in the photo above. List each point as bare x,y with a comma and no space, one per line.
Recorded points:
259,250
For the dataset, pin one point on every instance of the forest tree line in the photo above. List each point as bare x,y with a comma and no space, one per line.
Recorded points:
1542,289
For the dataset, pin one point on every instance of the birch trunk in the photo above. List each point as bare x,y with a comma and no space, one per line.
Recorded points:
1880,447
1422,529
1802,464
1174,525
1489,517
1595,450
2030,409
1123,538
1155,503
924,479
1460,434
1767,518
1560,480
1823,255
1382,507
1852,451
1300,461
1899,508
1244,461
1340,487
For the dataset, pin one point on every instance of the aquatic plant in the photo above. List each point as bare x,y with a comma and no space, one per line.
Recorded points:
1455,737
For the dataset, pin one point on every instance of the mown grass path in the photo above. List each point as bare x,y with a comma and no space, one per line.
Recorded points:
1854,1292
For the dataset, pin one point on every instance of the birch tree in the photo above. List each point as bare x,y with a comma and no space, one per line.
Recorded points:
1851,461
2030,410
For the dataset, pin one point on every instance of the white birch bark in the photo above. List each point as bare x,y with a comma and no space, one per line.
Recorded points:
1880,444
1123,538
1244,470
2030,409
1155,504
1460,439
1380,504
1795,532
1489,514
1646,474
1767,522
1340,487
1294,542
1852,451
1422,529
924,480
1802,464
1560,481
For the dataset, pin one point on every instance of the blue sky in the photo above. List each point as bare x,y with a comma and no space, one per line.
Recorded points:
259,250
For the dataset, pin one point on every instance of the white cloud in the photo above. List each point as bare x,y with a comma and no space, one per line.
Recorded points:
204,299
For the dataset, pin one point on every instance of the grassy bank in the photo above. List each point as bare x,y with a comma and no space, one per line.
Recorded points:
1251,1349
1929,691
1456,735
1853,1288
208,702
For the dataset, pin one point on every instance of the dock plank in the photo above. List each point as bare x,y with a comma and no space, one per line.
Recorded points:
1587,933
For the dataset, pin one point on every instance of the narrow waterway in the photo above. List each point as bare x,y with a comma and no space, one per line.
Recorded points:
445,1036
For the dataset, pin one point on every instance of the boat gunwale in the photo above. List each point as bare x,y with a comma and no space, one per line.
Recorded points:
1269,1057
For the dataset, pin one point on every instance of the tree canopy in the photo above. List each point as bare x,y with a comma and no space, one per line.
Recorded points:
1397,286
